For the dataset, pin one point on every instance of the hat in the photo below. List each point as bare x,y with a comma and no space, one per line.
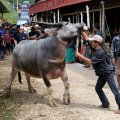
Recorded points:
36,25
47,31
22,27
97,38
85,28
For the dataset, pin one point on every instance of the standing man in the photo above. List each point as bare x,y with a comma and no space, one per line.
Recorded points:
104,71
1,31
88,46
115,56
20,35
12,32
37,31
97,30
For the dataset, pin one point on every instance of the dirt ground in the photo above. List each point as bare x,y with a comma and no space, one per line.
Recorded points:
84,100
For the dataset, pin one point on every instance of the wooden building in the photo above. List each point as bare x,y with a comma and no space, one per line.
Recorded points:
3,9
106,12
63,10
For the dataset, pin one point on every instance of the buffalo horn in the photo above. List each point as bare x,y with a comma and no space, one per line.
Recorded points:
51,24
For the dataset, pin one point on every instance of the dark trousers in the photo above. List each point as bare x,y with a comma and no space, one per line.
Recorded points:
109,78
1,54
8,46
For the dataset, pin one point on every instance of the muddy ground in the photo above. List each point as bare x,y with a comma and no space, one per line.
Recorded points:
84,100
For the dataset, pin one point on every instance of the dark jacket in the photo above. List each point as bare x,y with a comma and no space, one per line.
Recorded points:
101,63
115,47
20,36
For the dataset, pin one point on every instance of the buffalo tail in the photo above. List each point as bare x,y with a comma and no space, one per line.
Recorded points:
19,77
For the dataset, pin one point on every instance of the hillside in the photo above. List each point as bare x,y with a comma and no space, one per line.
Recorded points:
12,16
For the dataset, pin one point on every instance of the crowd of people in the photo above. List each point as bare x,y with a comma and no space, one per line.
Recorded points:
12,34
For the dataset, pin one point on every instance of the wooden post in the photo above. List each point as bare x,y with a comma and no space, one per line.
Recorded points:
54,17
73,18
88,18
103,22
100,20
78,18
61,18
93,21
81,17
13,5
69,20
2,15
58,15
17,6
36,18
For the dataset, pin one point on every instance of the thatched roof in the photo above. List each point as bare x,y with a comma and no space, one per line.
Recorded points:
3,8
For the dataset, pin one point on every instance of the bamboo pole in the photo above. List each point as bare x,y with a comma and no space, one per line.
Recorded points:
54,17
69,20
58,15
17,6
93,21
81,17
100,20
88,17
103,22
13,5
73,18
78,18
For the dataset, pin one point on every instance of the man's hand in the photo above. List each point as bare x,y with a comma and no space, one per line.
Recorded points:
77,53
84,36
87,60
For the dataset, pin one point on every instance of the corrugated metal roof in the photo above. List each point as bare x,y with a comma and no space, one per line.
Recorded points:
3,8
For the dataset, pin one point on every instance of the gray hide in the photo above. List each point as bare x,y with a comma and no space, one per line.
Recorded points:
44,58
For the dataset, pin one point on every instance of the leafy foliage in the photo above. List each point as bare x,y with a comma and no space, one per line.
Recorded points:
12,16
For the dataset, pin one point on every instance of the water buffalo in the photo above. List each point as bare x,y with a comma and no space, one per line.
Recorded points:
45,58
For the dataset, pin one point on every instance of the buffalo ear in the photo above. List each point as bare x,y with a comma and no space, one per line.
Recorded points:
64,23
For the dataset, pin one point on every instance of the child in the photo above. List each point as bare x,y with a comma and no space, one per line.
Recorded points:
7,38
2,47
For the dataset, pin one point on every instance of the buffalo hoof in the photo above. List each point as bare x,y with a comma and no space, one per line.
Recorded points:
66,98
5,93
52,103
31,90
1,93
